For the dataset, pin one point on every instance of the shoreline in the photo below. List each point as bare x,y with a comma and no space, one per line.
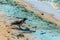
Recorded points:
7,32
45,16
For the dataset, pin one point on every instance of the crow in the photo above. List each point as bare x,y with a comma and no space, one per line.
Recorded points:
19,22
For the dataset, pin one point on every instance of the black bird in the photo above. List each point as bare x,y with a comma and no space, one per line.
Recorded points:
19,22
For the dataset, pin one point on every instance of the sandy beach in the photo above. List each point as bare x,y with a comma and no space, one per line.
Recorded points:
6,31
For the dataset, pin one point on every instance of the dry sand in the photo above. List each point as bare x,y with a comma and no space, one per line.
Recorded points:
7,33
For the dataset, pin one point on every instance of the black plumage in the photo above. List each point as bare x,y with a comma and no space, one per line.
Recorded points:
19,22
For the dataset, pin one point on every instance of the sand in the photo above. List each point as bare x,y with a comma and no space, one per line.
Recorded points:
6,31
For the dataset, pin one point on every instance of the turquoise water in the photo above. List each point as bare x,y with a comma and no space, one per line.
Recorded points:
45,29
56,3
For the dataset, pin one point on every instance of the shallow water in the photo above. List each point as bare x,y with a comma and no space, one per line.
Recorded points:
55,3
45,7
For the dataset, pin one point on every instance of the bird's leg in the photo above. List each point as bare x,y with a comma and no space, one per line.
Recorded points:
19,26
